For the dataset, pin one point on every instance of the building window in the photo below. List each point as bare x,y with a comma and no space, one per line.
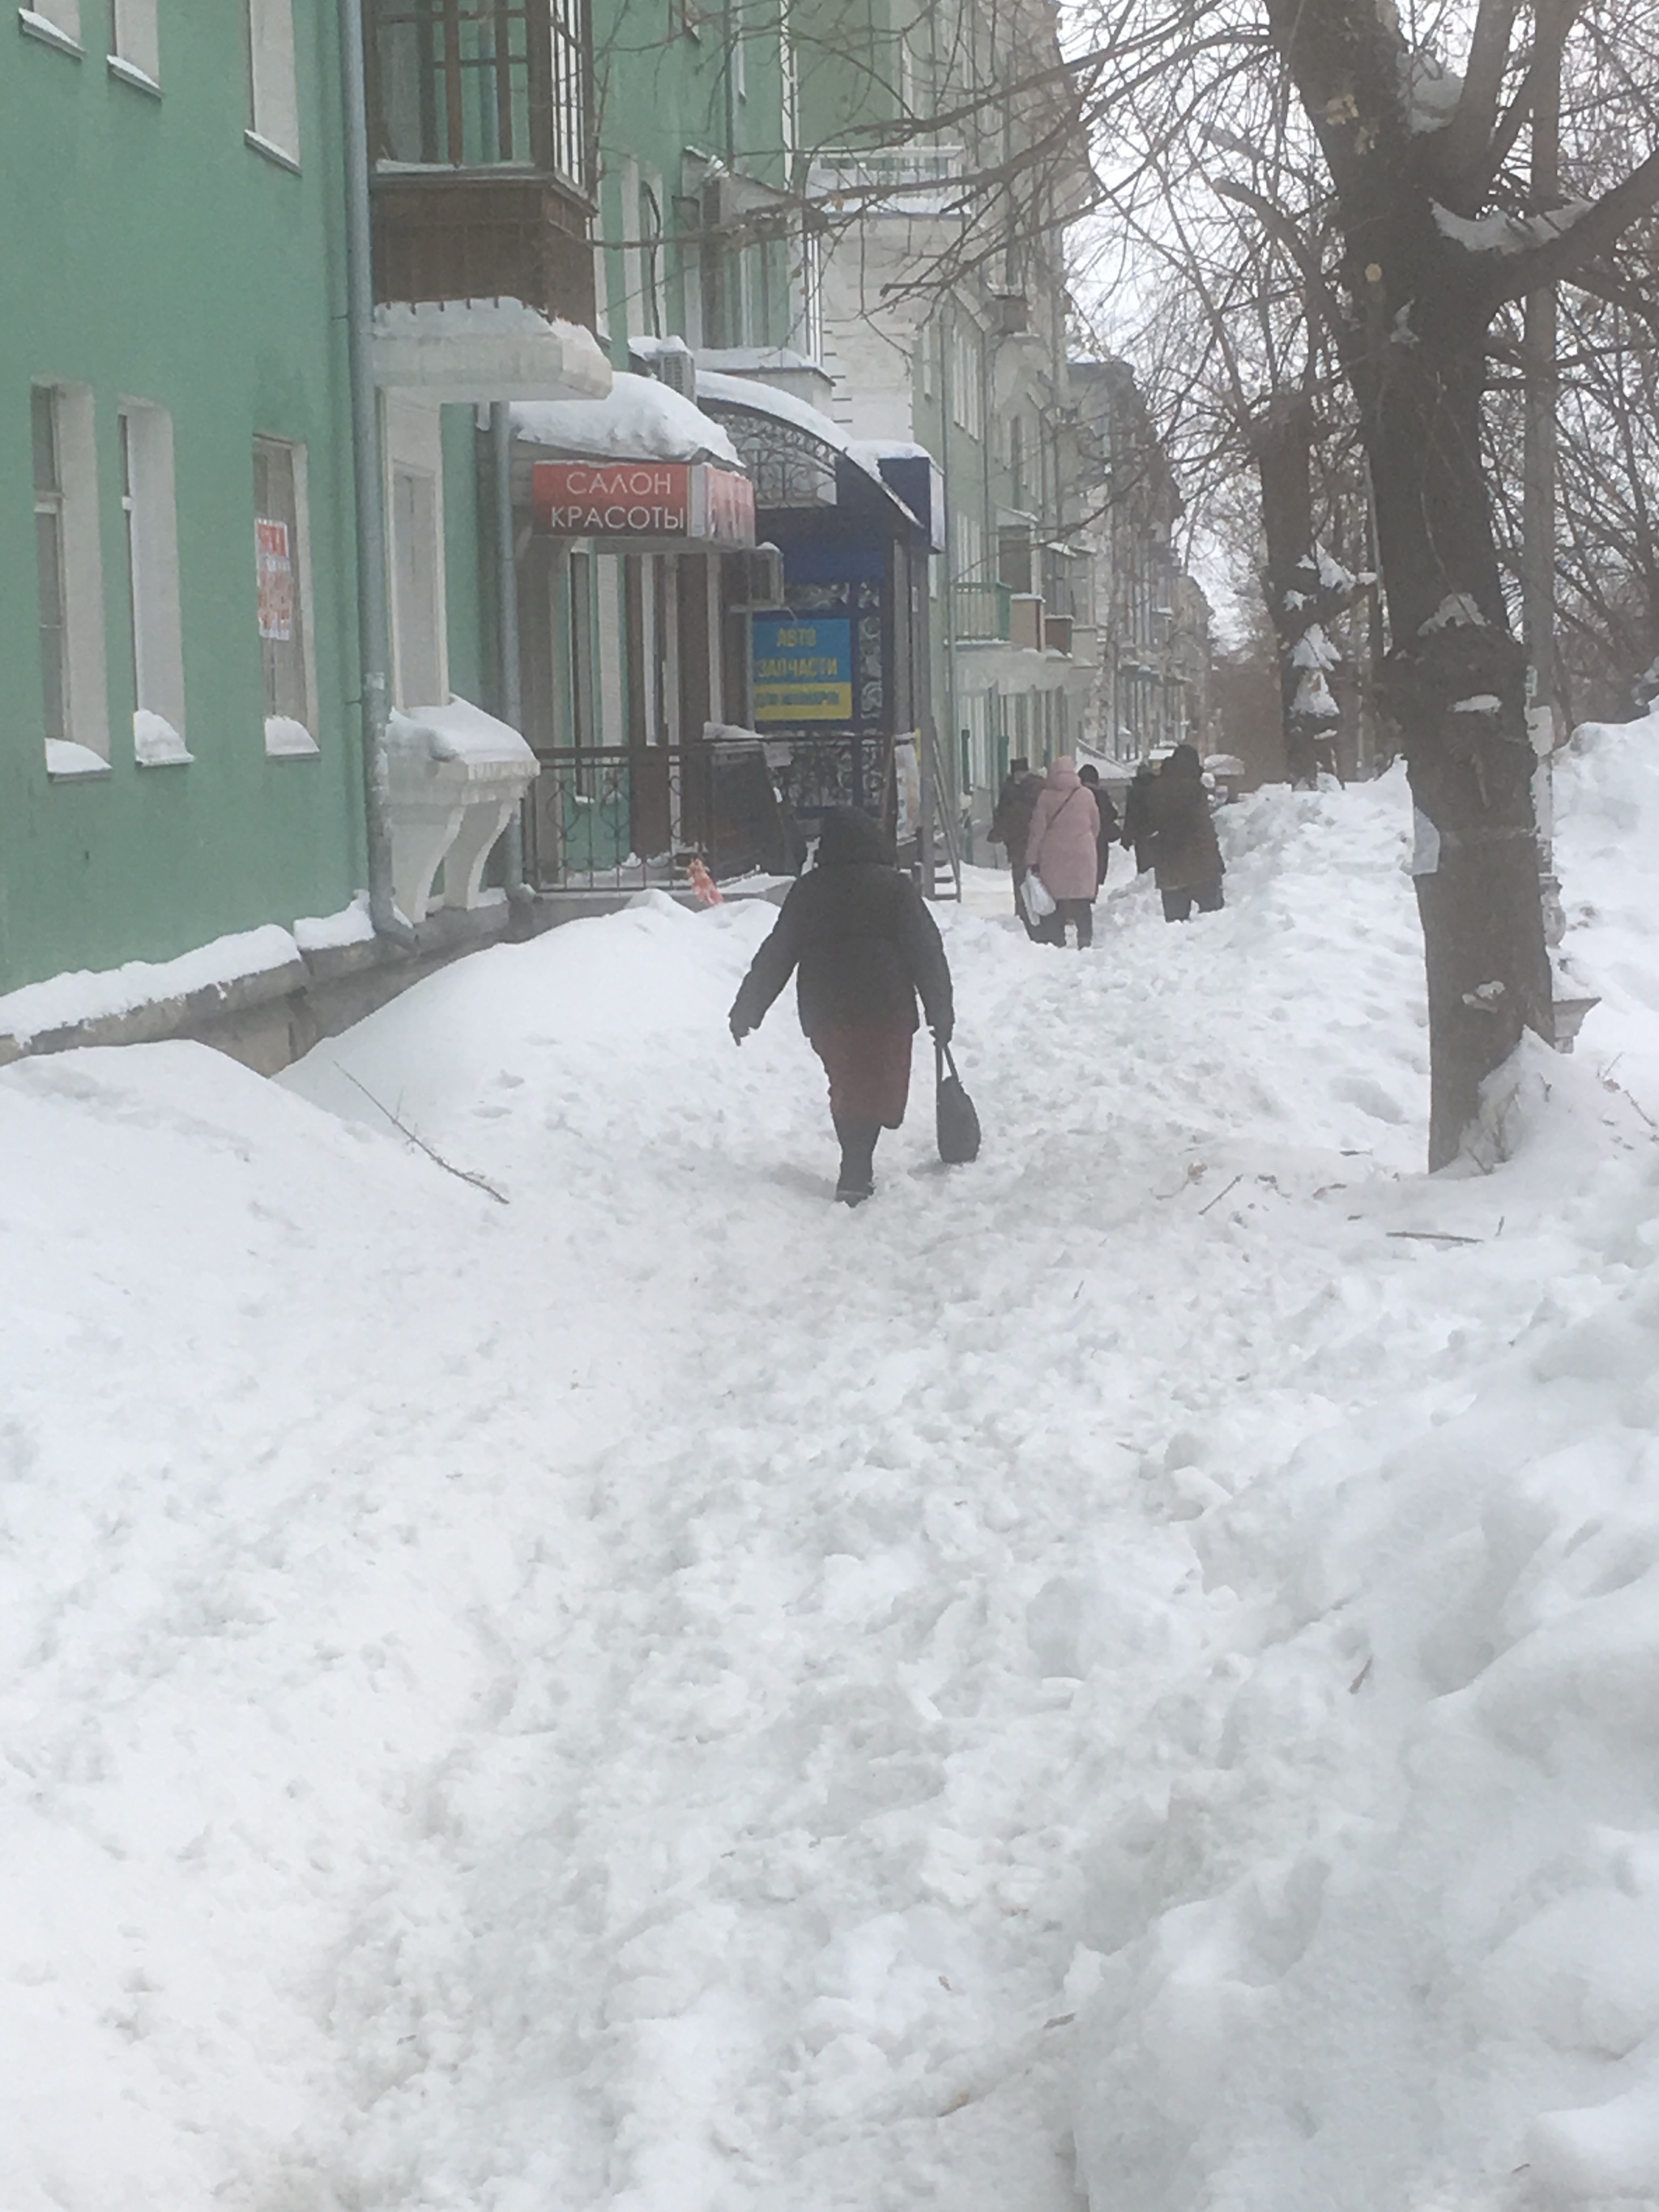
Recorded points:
47,17
469,84
282,576
967,400
152,536
70,581
133,40
49,561
273,96
807,275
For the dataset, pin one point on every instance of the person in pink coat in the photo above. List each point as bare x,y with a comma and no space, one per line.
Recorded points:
1063,847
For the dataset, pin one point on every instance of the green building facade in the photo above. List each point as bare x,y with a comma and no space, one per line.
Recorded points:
180,742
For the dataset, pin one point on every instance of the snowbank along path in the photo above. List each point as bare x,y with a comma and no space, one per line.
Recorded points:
1120,1677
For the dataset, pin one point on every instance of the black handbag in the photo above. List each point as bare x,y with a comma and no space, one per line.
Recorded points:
958,1123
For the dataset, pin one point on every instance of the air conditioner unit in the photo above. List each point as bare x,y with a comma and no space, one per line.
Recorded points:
759,581
676,368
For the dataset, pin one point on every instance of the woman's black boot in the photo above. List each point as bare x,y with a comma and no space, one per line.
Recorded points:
857,1180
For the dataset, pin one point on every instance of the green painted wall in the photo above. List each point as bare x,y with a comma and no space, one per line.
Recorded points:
665,89
152,254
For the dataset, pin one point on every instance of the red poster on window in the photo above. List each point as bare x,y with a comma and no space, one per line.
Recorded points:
275,574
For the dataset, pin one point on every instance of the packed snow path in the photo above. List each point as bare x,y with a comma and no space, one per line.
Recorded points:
667,1696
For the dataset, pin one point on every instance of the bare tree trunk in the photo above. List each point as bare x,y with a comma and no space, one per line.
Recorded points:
1282,441
1455,688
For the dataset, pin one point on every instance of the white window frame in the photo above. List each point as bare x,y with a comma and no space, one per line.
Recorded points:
56,22
293,737
273,91
151,509
83,749
135,51
413,446
967,368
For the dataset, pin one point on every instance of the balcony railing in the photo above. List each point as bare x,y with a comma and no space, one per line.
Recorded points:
890,181
983,611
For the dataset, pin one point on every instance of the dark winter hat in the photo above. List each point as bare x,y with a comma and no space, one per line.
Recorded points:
1184,761
847,839
1018,766
1088,773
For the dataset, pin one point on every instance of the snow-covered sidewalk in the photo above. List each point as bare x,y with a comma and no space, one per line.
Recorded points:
667,1696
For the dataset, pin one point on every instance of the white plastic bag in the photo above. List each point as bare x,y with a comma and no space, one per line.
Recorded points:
1039,899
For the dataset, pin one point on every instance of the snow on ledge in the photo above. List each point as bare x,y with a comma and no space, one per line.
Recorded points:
65,758
85,994
458,731
771,399
156,744
484,349
640,419
287,739
328,933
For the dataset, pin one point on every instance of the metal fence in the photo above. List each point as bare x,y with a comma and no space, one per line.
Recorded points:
628,818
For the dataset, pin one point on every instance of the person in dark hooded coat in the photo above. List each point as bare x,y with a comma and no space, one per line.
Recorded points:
1109,816
1137,836
862,946
1185,850
1011,828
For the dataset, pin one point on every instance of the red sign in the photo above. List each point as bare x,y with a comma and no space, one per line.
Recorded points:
613,499
728,507
275,570
642,500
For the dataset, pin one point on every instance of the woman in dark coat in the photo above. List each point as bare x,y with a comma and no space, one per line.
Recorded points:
1108,817
1185,851
865,945
1138,817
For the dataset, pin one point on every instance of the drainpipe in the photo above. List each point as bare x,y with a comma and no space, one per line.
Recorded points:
374,624
507,633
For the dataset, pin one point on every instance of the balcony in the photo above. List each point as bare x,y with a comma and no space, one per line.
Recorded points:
982,612
460,235
479,133
913,180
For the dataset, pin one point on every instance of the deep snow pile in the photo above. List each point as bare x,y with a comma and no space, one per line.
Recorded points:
1117,1676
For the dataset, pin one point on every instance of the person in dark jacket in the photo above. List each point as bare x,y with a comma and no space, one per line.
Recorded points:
1185,850
1090,774
864,945
1137,836
1011,826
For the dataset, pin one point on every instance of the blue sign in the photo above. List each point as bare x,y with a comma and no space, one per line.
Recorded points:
803,669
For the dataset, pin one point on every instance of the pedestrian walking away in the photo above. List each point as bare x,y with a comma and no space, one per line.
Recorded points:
1186,853
858,938
1090,774
1011,828
1064,850
1137,836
